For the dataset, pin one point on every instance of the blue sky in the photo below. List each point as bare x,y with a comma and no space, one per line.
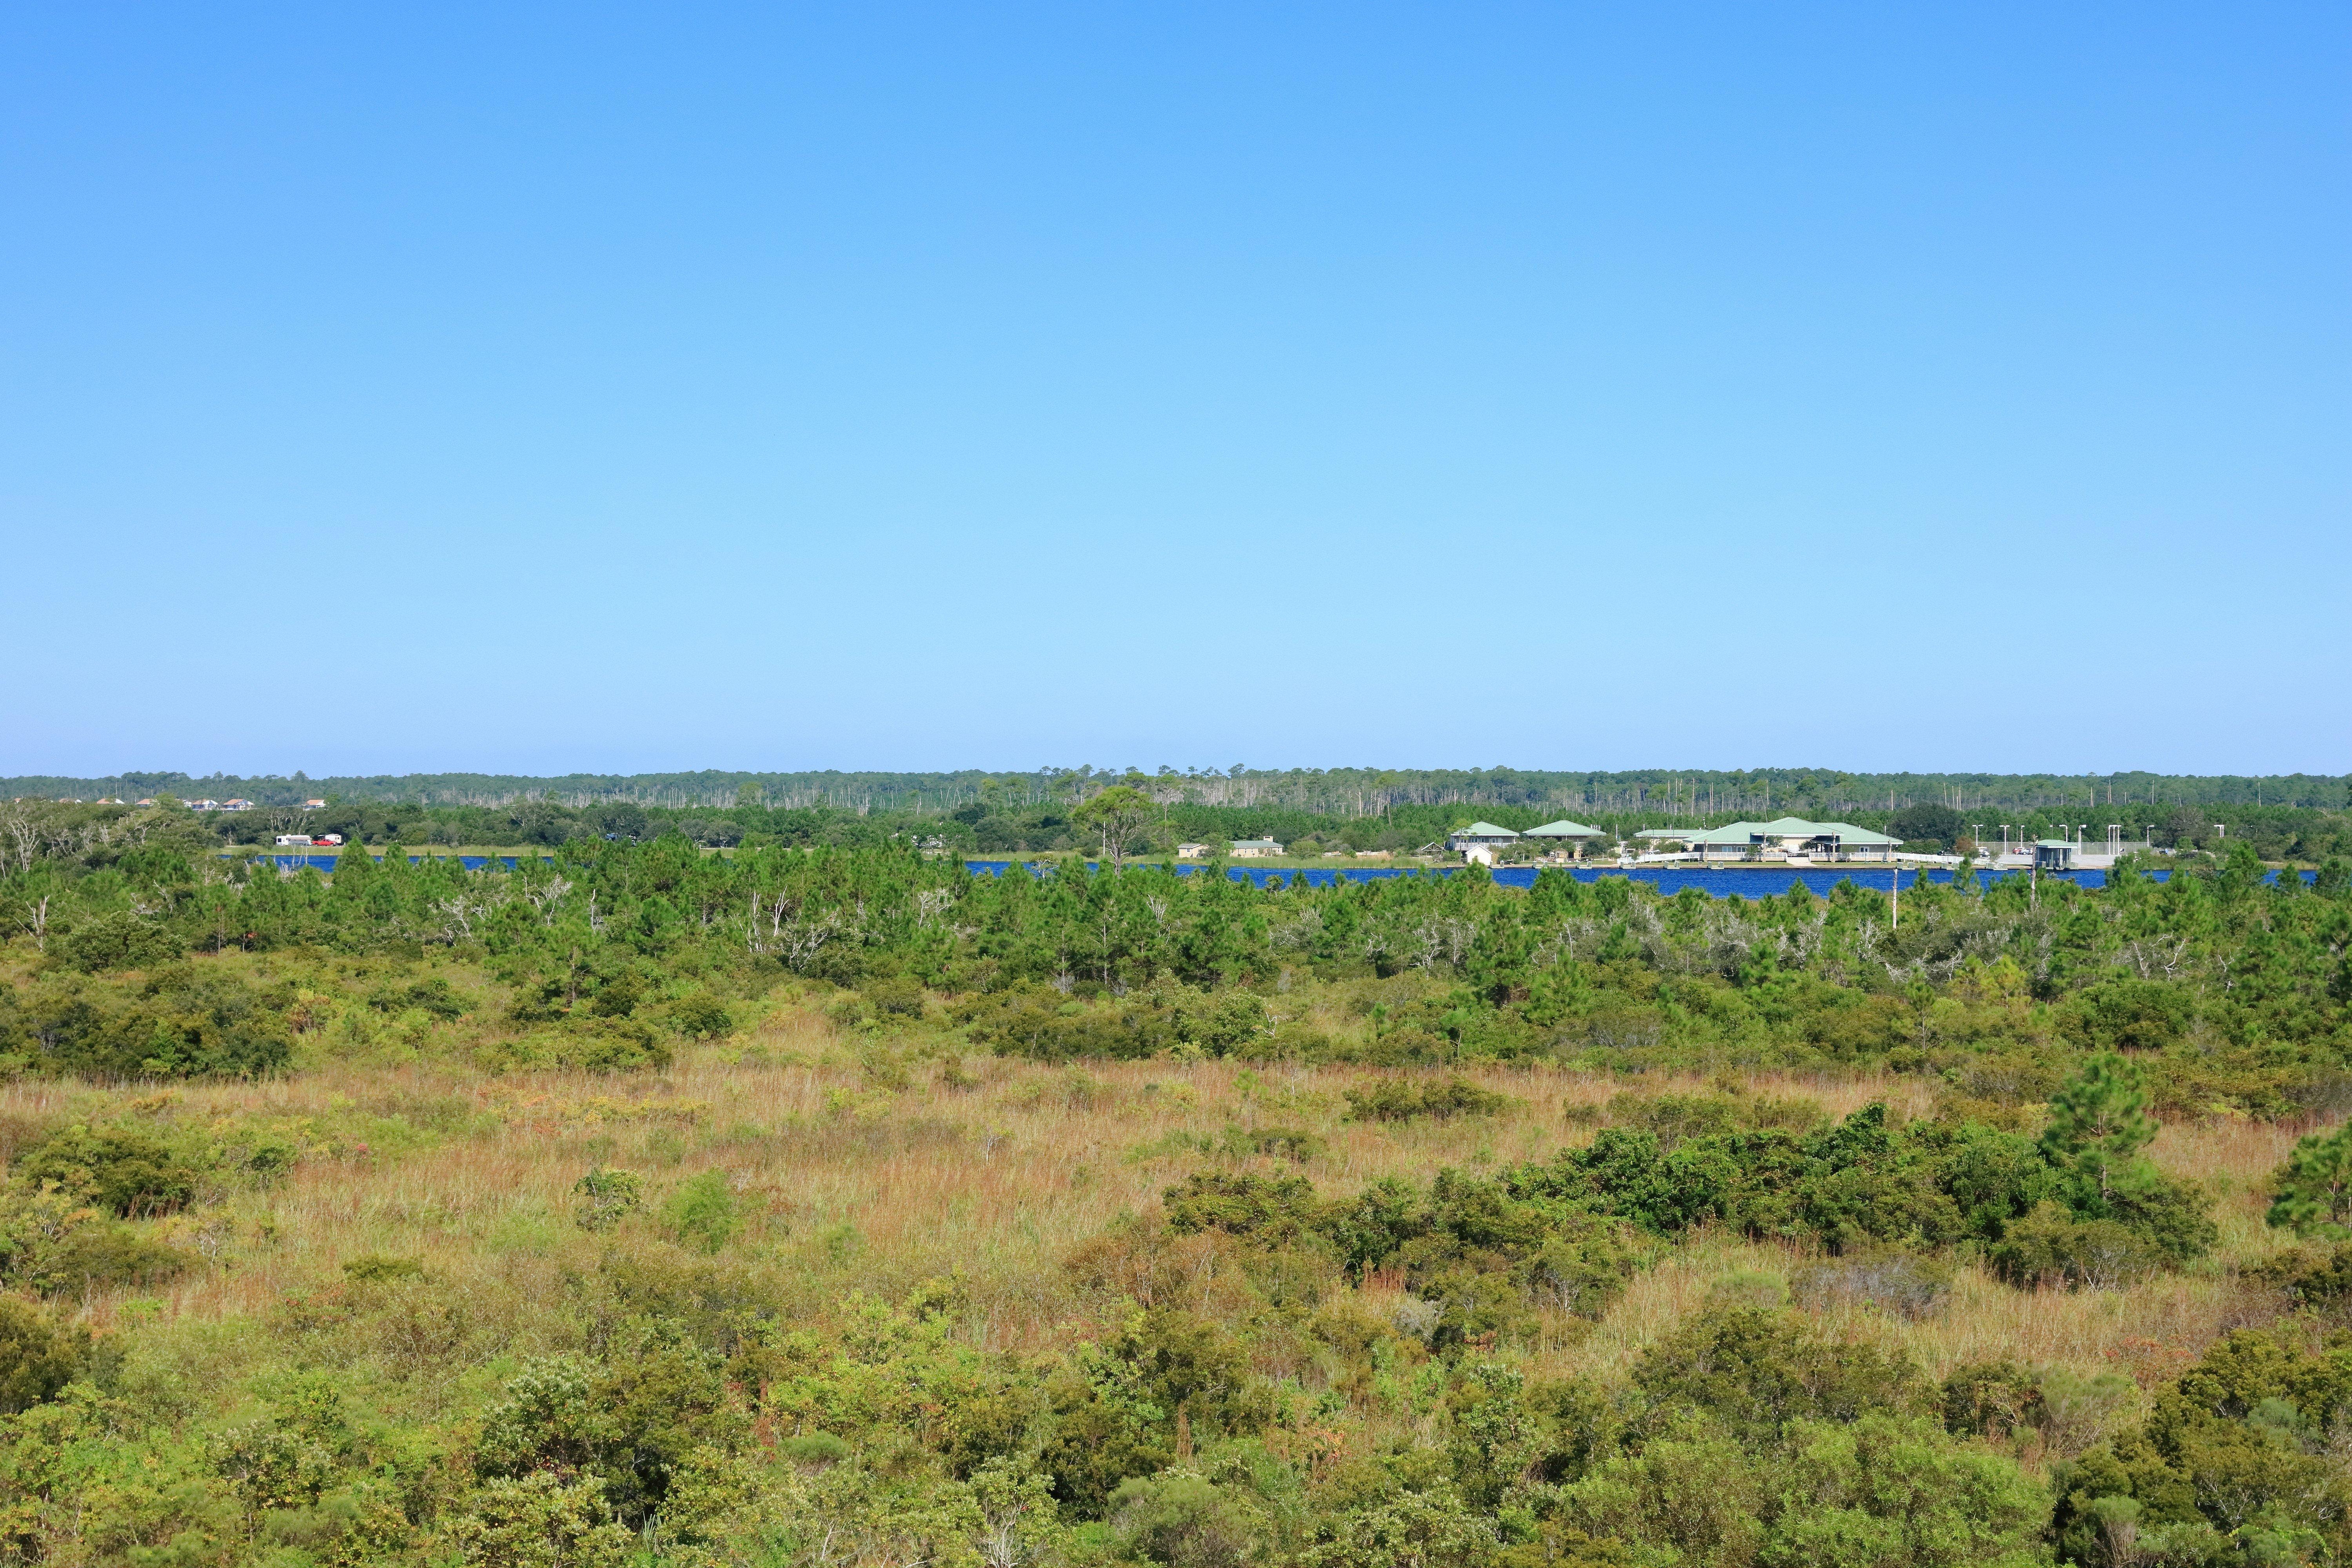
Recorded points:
570,388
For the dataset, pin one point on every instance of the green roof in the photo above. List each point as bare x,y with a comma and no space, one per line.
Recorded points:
1846,833
1563,829
1483,831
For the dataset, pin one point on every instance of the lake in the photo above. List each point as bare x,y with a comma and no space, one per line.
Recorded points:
1667,880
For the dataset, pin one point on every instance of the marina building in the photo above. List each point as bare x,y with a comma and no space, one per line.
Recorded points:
1790,838
1479,840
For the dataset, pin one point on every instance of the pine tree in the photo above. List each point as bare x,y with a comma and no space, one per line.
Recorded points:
2098,1124
355,869
2315,1186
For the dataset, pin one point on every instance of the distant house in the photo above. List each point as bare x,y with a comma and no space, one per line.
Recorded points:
1479,840
149,801
1563,831
1255,849
236,805
1191,852
203,805
314,805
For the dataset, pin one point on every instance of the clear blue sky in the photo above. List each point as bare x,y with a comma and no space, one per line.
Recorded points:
402,388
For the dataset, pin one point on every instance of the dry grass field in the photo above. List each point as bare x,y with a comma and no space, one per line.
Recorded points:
866,1163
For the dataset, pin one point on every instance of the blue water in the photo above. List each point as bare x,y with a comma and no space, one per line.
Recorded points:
1667,880
327,863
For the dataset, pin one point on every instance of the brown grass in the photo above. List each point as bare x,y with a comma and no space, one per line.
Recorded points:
862,1167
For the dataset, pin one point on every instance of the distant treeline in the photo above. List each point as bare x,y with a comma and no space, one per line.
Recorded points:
1004,822
1651,795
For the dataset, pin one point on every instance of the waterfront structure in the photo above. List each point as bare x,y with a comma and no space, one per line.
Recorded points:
1191,852
1782,836
1563,831
1479,840
1255,849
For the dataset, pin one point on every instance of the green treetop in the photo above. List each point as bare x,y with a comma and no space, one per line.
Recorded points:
2098,1125
2315,1186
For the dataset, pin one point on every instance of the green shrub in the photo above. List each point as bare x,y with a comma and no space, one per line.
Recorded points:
1755,1371
897,997
121,1169
119,941
1271,1212
186,1021
1183,1522
704,1213
1991,1399
2052,1247
1292,1144
583,1044
816,1448
1674,1117
102,1257
540,1518
2236,1450
434,995
1404,1100
606,1197
37,1358
1227,1025
701,1015
2314,1188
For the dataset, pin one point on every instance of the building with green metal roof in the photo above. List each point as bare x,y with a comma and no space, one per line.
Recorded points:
1788,835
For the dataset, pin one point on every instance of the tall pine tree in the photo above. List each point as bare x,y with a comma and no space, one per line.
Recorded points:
2098,1125
2314,1186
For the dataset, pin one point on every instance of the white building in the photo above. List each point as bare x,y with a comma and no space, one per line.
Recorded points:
1479,840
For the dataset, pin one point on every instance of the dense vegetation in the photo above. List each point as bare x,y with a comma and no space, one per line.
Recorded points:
821,1203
